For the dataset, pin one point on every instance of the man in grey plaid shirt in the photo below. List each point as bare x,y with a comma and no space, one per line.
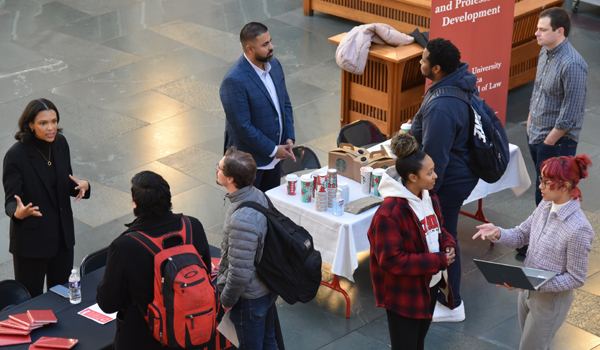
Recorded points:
557,104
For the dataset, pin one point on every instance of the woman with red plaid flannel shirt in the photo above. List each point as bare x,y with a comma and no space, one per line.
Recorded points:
410,250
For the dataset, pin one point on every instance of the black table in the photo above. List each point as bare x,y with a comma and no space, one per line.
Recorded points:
91,335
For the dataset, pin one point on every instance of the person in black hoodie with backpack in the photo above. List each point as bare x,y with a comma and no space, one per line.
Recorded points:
442,129
127,285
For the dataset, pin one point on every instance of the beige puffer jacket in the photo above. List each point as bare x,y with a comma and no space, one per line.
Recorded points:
351,54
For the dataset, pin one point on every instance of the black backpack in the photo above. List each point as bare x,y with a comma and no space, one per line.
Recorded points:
488,152
290,266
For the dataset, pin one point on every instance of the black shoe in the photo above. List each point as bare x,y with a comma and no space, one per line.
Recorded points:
522,250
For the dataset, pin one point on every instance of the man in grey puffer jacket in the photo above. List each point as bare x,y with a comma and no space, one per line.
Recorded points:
251,303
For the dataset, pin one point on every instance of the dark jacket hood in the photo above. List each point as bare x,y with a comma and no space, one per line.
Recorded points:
461,78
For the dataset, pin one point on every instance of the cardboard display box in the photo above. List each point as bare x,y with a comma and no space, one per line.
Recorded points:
348,160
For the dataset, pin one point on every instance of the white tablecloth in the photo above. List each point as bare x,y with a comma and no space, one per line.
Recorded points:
340,238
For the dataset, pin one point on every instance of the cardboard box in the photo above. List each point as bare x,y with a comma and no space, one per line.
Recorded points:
343,159
377,159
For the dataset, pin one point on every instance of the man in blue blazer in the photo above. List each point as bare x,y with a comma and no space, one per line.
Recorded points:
258,110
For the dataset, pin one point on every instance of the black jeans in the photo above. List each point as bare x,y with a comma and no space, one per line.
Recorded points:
31,271
451,199
409,333
541,152
268,179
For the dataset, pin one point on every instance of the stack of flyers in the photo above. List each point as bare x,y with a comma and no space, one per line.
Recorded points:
46,343
321,199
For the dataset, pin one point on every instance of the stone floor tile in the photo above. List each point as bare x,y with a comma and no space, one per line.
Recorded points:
132,79
326,75
215,42
302,93
9,118
321,24
197,94
355,340
95,7
143,43
310,123
114,24
87,121
13,55
585,312
197,163
22,17
205,203
592,284
178,181
149,106
89,58
105,204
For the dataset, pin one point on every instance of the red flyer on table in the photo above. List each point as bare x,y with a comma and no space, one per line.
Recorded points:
21,318
55,343
12,324
14,339
13,331
94,313
41,316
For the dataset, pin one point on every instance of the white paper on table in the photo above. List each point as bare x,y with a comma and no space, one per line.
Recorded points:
227,328
94,313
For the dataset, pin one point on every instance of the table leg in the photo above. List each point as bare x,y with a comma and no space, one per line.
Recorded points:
478,215
335,285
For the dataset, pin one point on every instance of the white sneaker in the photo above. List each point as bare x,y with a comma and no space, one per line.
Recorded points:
445,314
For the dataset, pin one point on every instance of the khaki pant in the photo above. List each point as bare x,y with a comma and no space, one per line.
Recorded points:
540,317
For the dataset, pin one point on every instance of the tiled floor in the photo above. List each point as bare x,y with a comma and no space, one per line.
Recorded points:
137,82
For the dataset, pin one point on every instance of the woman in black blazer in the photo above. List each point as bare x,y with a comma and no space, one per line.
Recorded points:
37,171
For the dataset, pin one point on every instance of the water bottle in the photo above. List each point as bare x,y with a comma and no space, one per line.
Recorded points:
338,204
74,287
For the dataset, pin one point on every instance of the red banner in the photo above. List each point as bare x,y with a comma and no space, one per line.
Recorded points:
482,31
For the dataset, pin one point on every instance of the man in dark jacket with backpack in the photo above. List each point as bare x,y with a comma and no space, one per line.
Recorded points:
442,129
250,302
128,282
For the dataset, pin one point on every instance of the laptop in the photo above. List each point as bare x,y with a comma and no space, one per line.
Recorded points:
514,276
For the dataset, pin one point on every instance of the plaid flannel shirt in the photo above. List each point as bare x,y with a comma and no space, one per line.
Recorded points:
560,244
558,98
401,265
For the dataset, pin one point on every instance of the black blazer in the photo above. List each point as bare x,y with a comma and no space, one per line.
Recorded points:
24,175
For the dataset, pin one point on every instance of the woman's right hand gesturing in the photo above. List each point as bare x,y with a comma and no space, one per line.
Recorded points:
24,211
487,231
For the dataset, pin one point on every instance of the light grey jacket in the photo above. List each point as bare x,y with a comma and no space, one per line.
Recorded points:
244,233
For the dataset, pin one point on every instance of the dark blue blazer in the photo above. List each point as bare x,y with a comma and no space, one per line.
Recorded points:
252,123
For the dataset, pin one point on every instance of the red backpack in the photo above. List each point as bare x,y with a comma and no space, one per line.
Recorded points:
182,314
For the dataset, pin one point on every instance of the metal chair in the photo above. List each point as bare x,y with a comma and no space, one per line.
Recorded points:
93,261
12,293
305,159
361,133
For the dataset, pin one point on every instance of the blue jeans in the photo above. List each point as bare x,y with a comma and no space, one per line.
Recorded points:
451,199
254,322
541,152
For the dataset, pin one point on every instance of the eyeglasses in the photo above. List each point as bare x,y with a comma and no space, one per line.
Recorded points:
544,182
217,168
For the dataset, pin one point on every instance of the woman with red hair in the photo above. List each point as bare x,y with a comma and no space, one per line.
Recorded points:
560,239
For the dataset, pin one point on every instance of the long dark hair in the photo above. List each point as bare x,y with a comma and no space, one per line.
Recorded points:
31,111
409,156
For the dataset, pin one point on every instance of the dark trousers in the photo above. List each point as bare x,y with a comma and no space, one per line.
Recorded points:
409,333
254,321
451,199
541,152
268,179
31,271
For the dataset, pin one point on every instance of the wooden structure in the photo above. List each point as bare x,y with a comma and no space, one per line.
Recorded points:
406,15
389,92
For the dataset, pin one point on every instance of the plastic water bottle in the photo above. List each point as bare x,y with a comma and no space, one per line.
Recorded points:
74,287
338,204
